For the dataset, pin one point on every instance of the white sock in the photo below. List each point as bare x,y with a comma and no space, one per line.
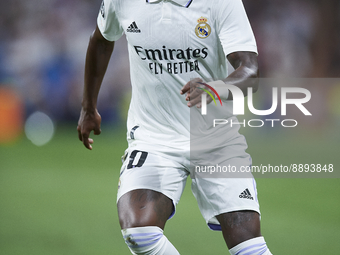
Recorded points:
255,246
148,241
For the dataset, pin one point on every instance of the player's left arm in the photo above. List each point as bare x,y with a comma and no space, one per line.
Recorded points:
246,72
245,75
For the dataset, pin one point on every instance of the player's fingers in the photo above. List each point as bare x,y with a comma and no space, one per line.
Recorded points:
185,88
97,131
191,85
197,100
86,142
196,93
194,101
79,133
194,84
187,98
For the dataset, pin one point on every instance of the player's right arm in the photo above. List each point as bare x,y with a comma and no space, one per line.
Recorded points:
97,58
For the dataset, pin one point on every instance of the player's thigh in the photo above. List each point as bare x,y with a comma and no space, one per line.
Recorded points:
144,207
150,186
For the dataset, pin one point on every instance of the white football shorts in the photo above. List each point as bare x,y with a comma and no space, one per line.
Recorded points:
165,170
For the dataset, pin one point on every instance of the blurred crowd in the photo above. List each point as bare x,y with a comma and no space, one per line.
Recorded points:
42,54
43,45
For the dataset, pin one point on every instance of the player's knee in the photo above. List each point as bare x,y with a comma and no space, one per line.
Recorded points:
131,219
148,241
131,216
142,240
140,208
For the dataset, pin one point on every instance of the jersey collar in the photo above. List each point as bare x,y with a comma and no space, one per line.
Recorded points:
184,3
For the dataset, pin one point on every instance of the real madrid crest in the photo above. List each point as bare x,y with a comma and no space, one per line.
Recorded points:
203,29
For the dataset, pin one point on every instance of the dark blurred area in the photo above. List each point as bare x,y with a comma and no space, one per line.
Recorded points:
42,55
43,45
297,38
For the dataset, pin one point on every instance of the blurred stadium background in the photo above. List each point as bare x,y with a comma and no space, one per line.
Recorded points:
58,198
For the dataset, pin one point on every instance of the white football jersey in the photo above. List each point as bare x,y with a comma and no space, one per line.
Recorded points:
170,43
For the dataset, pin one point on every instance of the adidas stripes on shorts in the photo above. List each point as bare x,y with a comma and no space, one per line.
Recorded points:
165,170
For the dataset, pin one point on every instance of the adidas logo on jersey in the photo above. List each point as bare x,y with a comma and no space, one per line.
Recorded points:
133,28
246,194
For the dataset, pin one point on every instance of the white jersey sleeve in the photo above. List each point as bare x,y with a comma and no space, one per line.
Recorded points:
108,23
234,29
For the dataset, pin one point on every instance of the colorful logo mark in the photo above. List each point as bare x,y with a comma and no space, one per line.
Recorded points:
209,93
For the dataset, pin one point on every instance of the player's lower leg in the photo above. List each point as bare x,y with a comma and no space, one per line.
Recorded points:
242,234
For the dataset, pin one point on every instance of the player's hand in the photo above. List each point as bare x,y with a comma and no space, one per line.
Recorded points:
88,121
193,93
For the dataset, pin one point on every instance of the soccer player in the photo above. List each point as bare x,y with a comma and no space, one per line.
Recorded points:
175,46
